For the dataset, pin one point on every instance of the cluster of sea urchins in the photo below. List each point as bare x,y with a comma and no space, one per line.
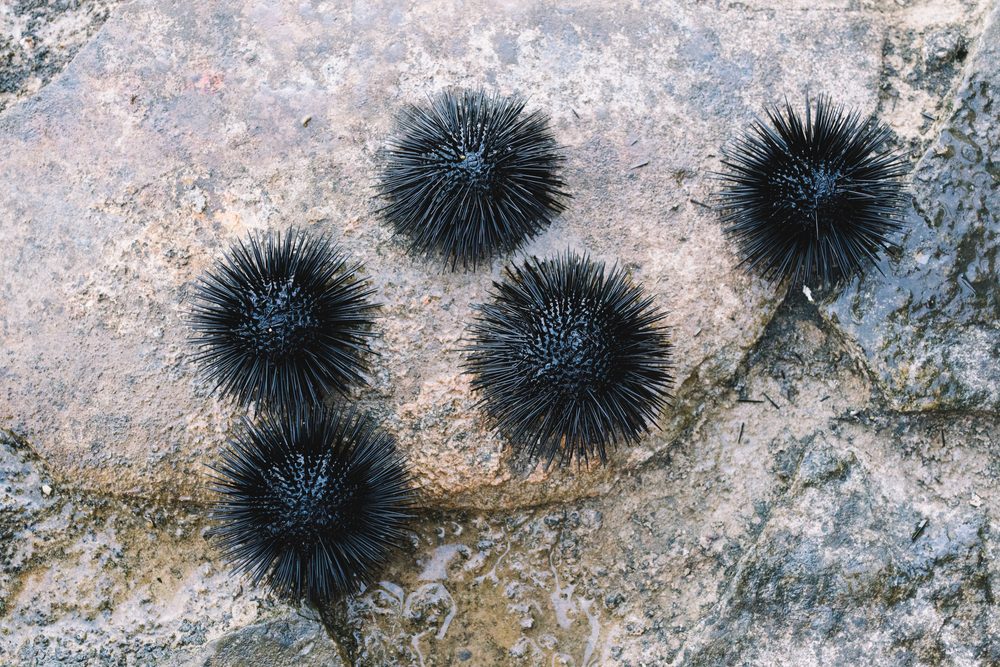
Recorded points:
312,502
569,359
470,176
813,199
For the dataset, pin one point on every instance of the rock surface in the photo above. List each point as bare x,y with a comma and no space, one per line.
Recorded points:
816,530
841,574
797,518
87,580
930,326
181,128
38,39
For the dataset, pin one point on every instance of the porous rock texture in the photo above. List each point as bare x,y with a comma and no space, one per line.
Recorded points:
38,38
91,580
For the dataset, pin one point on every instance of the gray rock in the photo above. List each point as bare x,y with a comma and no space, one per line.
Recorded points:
930,327
822,529
791,522
291,641
23,501
38,39
92,580
842,574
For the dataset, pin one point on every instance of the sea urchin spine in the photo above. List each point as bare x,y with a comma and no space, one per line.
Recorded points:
568,359
282,321
471,176
813,199
311,503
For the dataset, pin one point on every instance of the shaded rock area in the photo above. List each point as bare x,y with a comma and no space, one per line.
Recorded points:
38,38
807,502
930,326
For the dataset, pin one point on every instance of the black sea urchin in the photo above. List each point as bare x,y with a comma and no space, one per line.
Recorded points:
569,359
282,320
470,176
813,199
311,503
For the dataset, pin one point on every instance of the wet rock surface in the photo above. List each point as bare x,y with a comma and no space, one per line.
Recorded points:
89,580
930,326
836,559
285,642
799,522
788,514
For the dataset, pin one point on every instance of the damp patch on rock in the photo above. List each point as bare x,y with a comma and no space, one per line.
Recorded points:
930,326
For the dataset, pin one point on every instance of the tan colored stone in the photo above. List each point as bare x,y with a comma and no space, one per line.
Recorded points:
179,129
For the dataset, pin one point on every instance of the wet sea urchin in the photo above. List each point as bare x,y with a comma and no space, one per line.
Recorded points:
310,503
568,359
470,176
813,199
282,321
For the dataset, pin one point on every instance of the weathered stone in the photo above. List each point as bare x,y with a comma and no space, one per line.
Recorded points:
795,522
901,506
179,129
38,39
930,326
814,532
90,580
292,641
842,574
22,503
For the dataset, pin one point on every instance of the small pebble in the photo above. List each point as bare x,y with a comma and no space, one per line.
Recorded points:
46,489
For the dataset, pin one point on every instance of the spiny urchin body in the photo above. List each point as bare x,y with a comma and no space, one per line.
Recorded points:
812,199
311,503
282,321
568,359
471,176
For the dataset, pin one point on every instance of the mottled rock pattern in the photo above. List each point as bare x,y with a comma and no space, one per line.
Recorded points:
38,38
819,527
797,520
291,641
930,326
816,530
841,574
